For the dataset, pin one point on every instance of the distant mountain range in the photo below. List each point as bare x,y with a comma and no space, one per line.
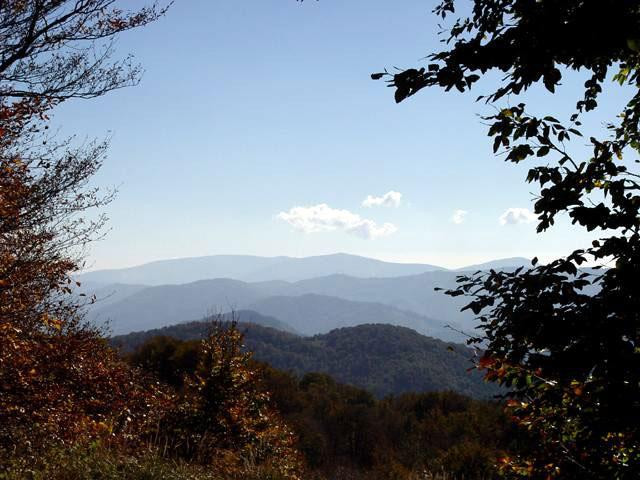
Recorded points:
311,314
258,269
310,306
384,359
155,307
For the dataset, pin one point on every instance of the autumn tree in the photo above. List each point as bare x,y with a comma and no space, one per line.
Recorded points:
224,417
58,379
565,339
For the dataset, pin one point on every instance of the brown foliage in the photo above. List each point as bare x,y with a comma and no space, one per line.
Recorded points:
69,386
59,382
223,416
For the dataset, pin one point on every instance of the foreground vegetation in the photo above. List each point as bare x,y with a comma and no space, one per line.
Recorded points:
215,413
219,420
341,428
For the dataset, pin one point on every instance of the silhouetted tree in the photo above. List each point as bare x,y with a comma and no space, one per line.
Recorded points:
49,48
566,340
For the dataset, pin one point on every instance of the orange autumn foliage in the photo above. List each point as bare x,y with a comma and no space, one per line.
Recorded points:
59,382
223,416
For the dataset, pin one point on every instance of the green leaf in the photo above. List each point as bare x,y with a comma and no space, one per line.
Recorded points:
633,44
542,151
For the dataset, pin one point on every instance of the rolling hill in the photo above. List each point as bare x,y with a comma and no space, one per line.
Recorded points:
108,294
384,359
414,293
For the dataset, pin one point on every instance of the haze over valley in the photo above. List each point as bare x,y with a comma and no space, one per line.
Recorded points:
313,295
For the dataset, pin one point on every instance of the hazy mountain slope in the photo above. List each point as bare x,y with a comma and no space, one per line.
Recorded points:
252,268
108,294
498,264
307,313
312,314
156,307
183,270
294,269
168,304
251,317
413,293
384,359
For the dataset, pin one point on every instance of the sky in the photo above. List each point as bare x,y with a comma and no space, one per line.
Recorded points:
256,129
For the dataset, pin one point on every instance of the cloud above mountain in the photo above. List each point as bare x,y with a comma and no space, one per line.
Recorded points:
514,216
389,199
459,216
323,218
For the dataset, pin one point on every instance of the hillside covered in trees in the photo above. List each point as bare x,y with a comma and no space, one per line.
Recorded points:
382,359
346,432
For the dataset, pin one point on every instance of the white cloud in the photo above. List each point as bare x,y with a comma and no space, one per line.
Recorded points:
389,199
458,216
323,218
512,216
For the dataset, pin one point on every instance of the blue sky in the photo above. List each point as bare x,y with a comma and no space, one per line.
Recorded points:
250,109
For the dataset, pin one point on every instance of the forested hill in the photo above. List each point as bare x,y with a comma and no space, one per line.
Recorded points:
383,359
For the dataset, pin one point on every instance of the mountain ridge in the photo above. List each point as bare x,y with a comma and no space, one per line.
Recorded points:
304,310
417,305
312,314
253,268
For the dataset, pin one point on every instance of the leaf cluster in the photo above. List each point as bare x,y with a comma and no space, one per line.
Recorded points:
563,337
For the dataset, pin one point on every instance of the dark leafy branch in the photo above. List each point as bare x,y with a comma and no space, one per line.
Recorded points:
49,47
564,337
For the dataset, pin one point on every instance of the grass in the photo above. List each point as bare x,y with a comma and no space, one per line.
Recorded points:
95,462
